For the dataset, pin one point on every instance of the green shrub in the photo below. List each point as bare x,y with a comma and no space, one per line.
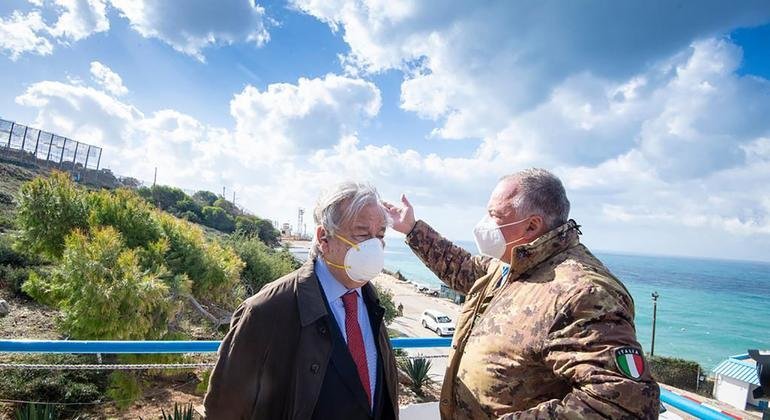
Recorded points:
213,269
124,210
49,209
203,385
125,388
191,217
12,279
54,386
386,301
205,198
13,255
227,206
249,225
680,373
187,205
262,264
217,218
163,196
102,291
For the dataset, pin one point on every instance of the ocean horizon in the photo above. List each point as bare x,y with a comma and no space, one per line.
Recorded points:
708,309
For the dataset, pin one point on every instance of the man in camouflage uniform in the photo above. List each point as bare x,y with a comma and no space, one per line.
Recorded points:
546,330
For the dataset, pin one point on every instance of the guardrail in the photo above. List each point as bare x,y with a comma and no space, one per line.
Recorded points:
157,347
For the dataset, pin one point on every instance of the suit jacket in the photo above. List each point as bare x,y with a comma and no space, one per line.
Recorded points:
283,358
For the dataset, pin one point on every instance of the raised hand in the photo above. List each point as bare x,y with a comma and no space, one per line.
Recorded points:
403,216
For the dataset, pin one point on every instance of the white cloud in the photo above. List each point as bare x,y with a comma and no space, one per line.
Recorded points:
660,159
108,79
472,66
19,35
80,19
288,119
190,26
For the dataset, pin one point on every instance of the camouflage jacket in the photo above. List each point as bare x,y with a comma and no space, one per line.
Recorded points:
549,336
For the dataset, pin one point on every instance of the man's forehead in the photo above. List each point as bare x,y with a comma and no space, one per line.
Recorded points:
370,215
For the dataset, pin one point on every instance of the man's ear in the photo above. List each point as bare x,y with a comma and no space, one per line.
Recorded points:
322,238
535,226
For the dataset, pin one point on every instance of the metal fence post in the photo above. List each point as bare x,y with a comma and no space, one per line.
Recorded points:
10,133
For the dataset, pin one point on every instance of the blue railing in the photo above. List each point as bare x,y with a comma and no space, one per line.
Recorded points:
155,347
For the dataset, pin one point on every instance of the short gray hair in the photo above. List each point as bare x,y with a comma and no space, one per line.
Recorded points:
540,192
340,203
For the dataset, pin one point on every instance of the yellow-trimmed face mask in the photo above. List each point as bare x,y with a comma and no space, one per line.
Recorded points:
363,261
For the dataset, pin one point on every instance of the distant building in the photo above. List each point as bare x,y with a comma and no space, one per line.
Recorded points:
448,293
735,381
286,229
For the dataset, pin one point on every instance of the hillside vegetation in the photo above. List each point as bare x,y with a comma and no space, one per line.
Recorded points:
120,264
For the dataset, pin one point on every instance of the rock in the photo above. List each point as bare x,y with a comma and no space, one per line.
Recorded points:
5,308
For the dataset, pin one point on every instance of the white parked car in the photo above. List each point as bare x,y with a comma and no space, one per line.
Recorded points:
438,322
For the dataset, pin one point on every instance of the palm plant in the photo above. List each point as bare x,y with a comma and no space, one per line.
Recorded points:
418,372
180,413
36,412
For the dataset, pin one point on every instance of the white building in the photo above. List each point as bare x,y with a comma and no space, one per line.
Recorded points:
736,380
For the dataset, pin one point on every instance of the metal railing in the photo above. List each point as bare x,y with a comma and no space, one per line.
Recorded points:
165,347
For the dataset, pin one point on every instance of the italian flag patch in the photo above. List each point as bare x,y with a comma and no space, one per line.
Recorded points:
630,362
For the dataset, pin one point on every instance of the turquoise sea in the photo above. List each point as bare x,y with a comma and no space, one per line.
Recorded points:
708,309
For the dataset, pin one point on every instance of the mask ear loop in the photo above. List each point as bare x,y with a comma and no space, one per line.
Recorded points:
343,267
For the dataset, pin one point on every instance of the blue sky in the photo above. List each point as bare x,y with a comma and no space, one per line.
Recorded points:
654,116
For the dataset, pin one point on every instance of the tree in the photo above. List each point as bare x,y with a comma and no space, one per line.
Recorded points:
386,301
216,218
124,210
228,207
262,264
205,198
163,196
187,205
213,269
49,209
102,291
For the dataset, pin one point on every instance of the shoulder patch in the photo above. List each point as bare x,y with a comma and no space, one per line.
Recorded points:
630,362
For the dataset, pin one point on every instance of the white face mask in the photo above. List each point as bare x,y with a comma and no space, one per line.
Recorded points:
489,238
363,261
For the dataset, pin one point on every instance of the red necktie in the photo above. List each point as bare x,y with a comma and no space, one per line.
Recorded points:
356,340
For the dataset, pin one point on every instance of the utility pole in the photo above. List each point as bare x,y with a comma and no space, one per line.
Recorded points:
155,177
655,297
223,192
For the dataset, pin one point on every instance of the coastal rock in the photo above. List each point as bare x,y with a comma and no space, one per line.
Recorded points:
5,308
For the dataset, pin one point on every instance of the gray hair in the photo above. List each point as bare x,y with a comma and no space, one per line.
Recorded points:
342,202
540,192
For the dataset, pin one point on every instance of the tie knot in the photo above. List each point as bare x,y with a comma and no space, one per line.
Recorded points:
350,301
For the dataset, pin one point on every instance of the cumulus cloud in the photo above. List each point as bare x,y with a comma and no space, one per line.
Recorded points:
187,26
80,19
191,26
108,79
473,66
287,119
19,34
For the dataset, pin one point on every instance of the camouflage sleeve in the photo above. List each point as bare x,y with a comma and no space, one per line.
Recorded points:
451,263
592,345
238,368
